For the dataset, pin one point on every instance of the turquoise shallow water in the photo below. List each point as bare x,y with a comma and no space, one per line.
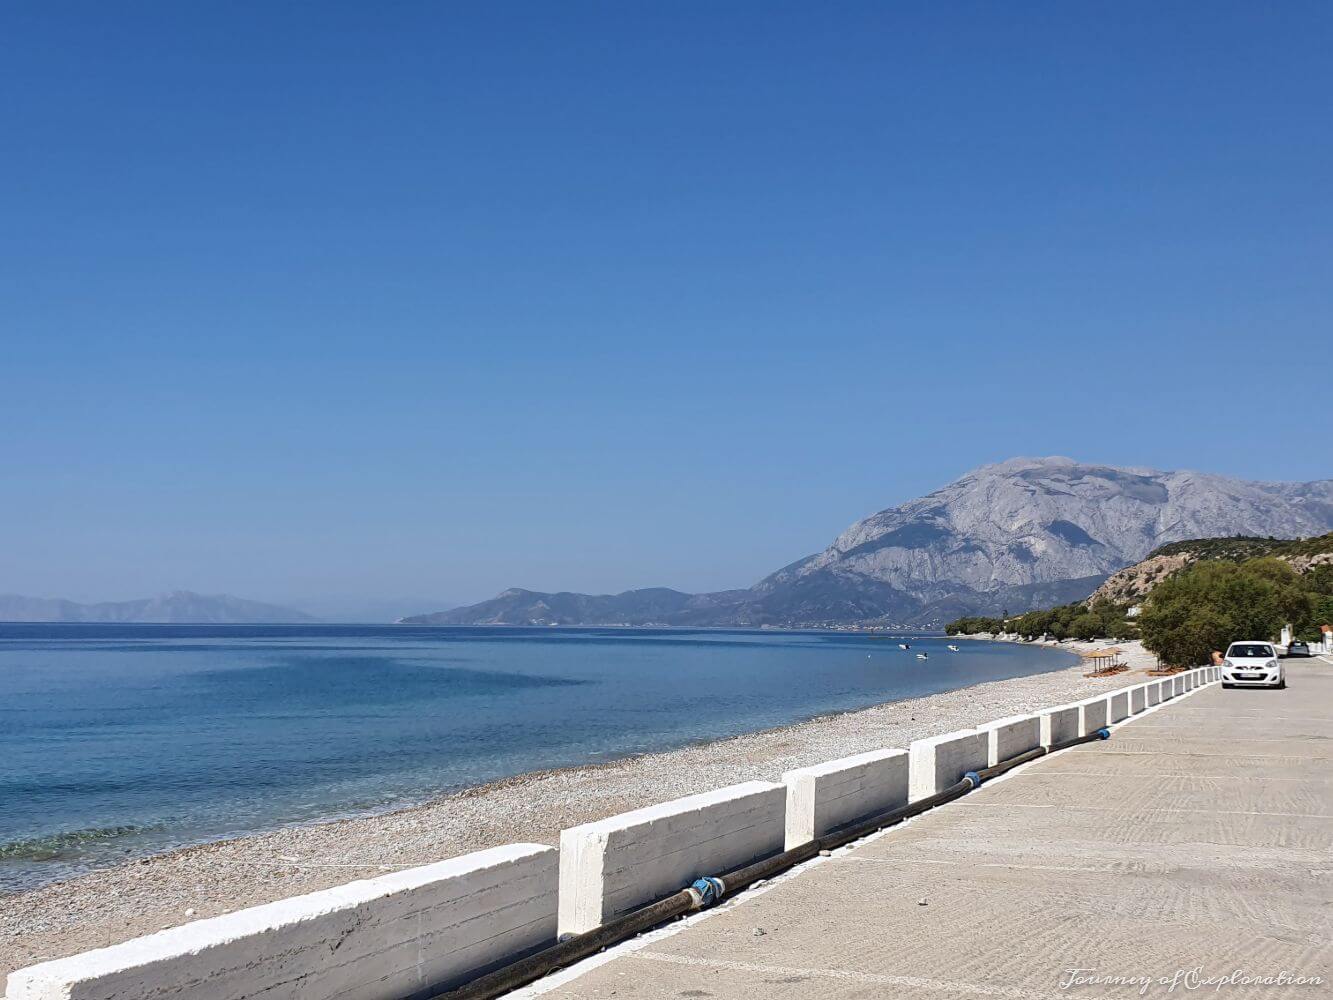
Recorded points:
123,740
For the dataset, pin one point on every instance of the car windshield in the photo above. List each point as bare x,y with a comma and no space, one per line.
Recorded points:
1250,652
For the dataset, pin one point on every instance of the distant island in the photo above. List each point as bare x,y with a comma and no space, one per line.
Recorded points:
1022,534
182,607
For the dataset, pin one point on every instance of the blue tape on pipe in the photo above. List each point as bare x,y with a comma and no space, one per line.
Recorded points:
709,890
973,777
1104,733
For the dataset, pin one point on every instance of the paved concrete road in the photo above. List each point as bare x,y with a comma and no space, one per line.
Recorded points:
1200,835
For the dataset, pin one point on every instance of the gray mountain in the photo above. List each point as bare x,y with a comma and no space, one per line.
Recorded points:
1029,532
651,606
181,607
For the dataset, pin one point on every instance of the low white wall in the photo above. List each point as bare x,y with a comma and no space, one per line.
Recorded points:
1117,705
936,762
1010,736
622,862
826,796
418,931
1059,724
383,938
1091,715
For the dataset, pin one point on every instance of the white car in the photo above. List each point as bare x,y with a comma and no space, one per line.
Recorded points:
1253,664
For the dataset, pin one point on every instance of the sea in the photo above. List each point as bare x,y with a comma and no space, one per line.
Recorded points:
118,741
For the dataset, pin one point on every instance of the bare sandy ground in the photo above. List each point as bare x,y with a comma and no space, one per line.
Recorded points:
139,897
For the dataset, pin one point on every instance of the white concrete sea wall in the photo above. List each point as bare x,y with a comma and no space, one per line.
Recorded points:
622,862
1059,724
937,762
1138,699
1091,715
1117,705
1010,736
826,796
385,938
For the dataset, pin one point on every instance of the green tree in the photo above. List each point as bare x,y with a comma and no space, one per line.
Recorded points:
1209,606
1086,626
1295,603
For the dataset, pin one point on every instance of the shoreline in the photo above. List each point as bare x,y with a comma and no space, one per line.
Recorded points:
143,895
1132,650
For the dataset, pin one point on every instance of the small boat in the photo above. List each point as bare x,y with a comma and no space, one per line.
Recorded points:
923,656
953,647
904,645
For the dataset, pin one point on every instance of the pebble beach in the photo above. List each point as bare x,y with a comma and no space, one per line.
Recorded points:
142,896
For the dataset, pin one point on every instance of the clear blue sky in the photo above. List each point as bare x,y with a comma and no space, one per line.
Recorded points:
337,304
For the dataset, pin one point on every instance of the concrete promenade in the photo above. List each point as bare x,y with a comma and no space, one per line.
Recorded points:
1199,836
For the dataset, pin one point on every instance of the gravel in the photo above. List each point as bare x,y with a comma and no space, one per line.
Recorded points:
118,903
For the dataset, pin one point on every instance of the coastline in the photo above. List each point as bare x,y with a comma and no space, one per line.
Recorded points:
139,897
1132,652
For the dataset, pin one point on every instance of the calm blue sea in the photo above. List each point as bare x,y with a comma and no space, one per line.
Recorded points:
118,741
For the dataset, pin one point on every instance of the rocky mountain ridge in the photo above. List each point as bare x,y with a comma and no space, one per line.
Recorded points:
1021,534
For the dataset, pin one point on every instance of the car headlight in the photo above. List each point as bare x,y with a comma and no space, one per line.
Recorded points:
1228,664
1271,664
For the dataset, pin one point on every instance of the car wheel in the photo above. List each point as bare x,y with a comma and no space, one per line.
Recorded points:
1282,684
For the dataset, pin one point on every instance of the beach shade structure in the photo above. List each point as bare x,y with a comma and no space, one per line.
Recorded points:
1102,659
